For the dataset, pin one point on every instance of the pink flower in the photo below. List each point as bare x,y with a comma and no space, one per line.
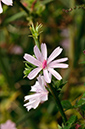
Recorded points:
7,2
40,95
84,51
8,125
46,64
77,126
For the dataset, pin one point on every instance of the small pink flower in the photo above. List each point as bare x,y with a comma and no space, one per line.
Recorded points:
77,126
40,95
25,4
46,64
8,125
84,51
7,2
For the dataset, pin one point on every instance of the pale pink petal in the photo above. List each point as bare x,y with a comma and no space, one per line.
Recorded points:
40,95
35,87
46,76
7,2
33,96
44,50
1,10
38,54
34,73
61,60
45,97
32,104
54,54
41,80
36,103
50,76
29,107
54,73
58,65
8,125
42,83
32,60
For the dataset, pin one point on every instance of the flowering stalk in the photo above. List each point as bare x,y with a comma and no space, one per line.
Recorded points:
35,33
60,108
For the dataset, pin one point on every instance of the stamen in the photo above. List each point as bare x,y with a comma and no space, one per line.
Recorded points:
44,64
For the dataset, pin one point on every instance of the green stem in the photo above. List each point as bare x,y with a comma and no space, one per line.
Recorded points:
37,42
60,108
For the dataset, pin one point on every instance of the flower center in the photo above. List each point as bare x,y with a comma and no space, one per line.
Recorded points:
44,64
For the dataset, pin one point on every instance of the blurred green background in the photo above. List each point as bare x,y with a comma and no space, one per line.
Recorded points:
63,25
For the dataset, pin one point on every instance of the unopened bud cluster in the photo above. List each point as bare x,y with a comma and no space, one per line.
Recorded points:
76,7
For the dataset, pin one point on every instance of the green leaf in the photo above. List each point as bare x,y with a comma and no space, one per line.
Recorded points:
67,127
84,84
27,70
46,1
80,103
59,127
66,104
28,63
15,16
83,95
72,120
83,108
82,62
59,84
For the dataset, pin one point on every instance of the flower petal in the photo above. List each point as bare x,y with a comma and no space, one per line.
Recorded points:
8,125
35,105
46,76
54,54
40,95
44,50
61,60
41,82
34,73
32,60
38,54
7,2
32,104
54,73
58,65
45,97
1,10
35,87
31,97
